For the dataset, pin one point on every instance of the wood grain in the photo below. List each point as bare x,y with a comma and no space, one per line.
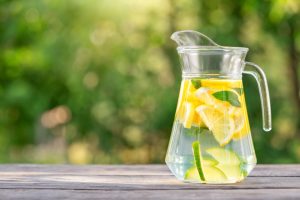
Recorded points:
139,182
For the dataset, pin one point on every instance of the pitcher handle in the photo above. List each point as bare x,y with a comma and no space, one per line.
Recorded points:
260,77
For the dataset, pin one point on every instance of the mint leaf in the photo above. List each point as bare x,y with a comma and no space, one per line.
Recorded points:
239,90
194,131
228,96
196,83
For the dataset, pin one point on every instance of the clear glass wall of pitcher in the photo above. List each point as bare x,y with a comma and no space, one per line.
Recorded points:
211,138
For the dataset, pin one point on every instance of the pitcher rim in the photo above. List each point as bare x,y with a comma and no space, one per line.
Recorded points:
212,48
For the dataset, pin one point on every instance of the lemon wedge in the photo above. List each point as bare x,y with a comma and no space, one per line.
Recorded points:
218,122
203,94
188,115
239,120
241,124
182,95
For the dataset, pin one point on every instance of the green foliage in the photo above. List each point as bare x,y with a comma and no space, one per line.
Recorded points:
196,83
97,81
228,96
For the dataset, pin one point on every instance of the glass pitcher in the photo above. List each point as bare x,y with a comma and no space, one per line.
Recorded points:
211,139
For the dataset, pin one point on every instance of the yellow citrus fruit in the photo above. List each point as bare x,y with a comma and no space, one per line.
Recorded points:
225,107
221,83
219,123
188,115
183,89
191,97
241,126
204,95
239,120
186,94
240,117
197,121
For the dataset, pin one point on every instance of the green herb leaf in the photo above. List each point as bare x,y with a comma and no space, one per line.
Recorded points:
196,83
228,96
195,130
239,90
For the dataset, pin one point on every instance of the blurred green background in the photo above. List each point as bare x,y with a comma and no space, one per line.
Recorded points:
97,81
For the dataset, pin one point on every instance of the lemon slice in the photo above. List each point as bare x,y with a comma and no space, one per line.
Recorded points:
191,96
221,83
242,133
203,94
241,124
220,123
183,90
225,107
188,115
186,94
239,120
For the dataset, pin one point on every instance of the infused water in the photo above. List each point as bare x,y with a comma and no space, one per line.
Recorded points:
211,139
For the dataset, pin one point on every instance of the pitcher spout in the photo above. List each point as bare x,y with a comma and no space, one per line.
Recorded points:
192,38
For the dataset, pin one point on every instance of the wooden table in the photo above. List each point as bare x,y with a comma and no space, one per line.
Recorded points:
139,182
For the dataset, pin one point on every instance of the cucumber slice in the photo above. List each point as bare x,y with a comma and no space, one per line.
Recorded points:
232,172
224,156
229,162
197,158
212,174
192,174
209,162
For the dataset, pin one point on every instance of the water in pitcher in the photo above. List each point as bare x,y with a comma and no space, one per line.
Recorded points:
211,140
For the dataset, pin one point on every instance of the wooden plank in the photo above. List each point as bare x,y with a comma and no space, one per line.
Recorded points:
292,170
216,194
87,169
139,182
260,170
129,178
